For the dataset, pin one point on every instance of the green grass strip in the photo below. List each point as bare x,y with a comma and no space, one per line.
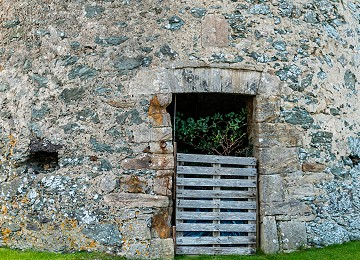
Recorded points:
347,251
10,254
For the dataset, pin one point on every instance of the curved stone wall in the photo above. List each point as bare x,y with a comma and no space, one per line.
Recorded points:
86,142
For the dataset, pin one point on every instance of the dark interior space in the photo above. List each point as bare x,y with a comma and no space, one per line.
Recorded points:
200,105
204,104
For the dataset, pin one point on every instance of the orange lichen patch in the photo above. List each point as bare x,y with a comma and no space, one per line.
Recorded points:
4,209
92,244
130,227
6,234
68,224
12,143
73,243
135,185
12,140
15,205
157,110
1,67
160,224
25,201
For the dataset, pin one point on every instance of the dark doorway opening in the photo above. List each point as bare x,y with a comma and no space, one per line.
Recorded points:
201,105
215,193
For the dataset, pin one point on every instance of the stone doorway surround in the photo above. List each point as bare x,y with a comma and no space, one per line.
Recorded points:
275,142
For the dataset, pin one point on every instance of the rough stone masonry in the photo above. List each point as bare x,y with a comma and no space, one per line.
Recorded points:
86,157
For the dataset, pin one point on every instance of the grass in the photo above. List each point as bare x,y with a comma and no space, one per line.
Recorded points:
10,254
345,251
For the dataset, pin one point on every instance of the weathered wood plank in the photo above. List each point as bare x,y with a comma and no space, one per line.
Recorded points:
216,227
215,215
210,204
216,201
245,244
201,170
230,194
238,183
229,240
188,250
216,159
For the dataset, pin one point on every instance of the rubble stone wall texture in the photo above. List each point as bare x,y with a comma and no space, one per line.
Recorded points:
86,142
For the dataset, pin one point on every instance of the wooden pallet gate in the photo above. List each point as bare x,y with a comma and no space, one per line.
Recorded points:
215,204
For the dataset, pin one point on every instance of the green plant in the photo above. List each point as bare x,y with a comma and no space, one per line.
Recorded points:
217,134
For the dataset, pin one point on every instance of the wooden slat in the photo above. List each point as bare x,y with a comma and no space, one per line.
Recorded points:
215,215
210,204
216,159
215,182
216,202
200,170
193,250
215,240
244,244
230,194
216,227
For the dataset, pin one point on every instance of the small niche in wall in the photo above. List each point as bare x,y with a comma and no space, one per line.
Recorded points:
43,157
43,161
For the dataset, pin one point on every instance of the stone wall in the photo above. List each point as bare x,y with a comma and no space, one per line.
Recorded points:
86,142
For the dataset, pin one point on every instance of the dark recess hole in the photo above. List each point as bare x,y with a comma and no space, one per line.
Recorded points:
43,156
355,159
43,161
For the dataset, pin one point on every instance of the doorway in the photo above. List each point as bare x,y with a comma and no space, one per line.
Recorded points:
215,194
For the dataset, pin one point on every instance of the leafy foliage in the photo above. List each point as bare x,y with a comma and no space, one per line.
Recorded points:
216,134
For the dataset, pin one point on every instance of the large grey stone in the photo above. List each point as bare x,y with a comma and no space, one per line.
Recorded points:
293,235
298,116
136,229
277,160
271,188
106,234
163,247
108,183
269,235
289,208
277,134
267,109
